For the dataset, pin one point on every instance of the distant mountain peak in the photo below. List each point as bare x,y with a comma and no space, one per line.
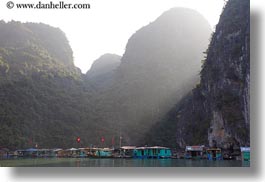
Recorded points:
173,29
179,11
36,47
104,64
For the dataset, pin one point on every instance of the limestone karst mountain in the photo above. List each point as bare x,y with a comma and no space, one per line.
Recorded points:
161,63
101,73
157,93
216,111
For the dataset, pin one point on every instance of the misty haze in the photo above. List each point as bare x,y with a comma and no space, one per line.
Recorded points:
178,85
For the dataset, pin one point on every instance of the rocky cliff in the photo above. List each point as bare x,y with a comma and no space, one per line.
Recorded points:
45,100
225,77
216,111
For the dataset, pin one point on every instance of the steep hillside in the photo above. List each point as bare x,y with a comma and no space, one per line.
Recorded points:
101,73
104,64
24,47
46,100
42,96
225,77
216,112
187,123
157,63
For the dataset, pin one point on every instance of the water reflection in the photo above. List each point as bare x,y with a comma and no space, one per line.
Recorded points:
88,162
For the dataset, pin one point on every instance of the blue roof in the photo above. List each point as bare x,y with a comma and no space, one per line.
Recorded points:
245,149
31,150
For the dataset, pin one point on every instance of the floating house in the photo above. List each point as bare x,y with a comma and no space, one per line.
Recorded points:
96,152
59,153
104,152
31,152
91,152
127,151
75,153
152,152
123,152
140,152
42,153
214,154
194,152
45,152
245,153
159,152
72,152
81,153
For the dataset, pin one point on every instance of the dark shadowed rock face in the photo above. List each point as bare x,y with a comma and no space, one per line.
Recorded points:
225,77
185,124
217,110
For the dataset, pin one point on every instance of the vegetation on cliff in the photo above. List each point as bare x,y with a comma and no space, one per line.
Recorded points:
148,96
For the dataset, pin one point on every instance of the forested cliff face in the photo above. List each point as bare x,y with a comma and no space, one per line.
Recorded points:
157,93
46,100
216,112
104,64
42,96
101,74
30,47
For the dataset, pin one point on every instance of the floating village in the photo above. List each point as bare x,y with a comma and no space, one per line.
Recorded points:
199,152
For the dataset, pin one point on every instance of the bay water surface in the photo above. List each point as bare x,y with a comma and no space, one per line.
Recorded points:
117,162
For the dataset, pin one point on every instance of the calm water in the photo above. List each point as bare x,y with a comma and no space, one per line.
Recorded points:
88,162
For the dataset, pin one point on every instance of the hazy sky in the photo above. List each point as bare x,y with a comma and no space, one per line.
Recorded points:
108,24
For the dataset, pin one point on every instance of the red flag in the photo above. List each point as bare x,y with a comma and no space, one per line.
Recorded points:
102,139
78,139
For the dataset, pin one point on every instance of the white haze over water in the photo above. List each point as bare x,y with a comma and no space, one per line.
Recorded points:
108,24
